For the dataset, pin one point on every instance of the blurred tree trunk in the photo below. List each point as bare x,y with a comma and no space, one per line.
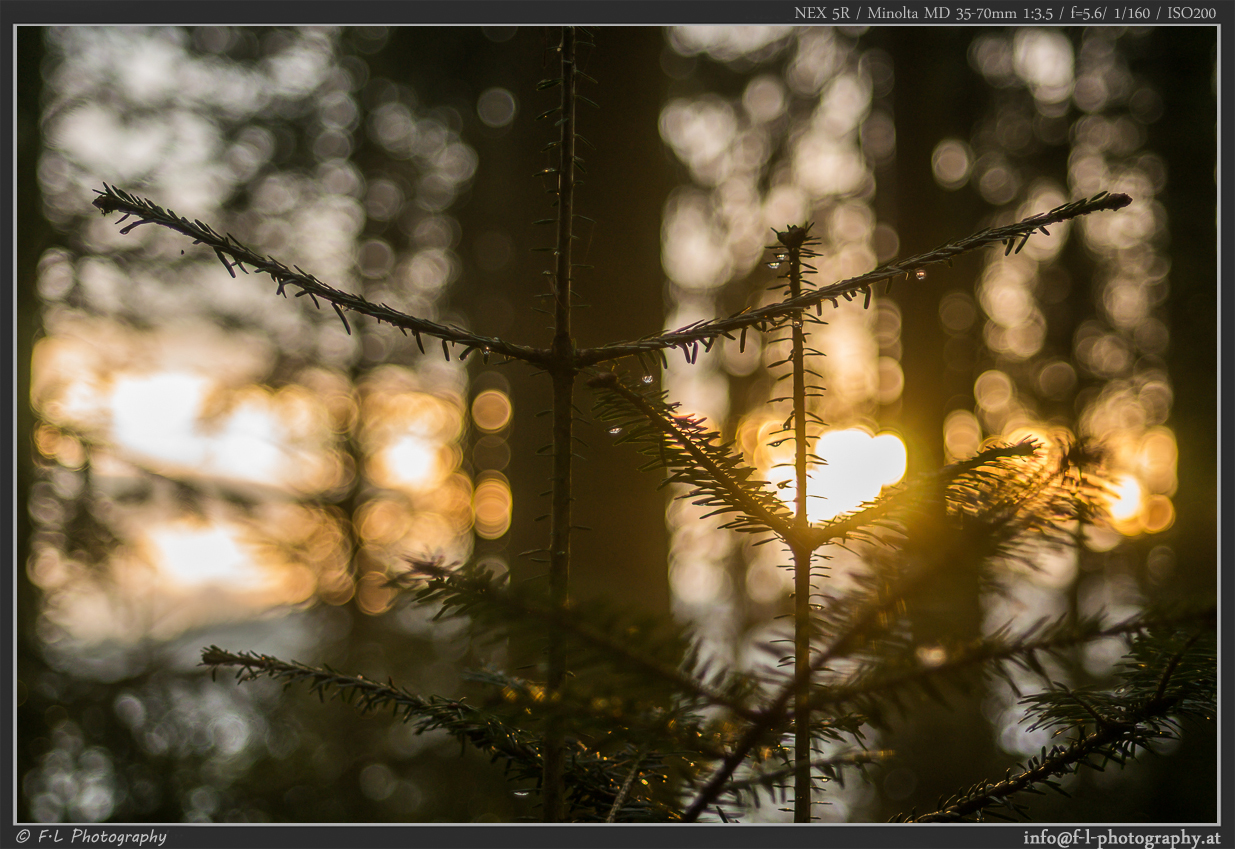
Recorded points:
936,95
1183,75
35,234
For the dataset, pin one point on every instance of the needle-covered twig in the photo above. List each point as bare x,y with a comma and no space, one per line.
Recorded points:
1013,237
235,255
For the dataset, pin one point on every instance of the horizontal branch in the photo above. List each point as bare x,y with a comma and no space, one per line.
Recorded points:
769,779
234,255
845,525
593,776
1114,738
1059,761
468,589
373,693
1013,237
1041,637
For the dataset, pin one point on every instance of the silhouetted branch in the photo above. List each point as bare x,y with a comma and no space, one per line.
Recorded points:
1129,719
594,779
683,445
994,651
473,590
904,495
1012,237
828,766
235,255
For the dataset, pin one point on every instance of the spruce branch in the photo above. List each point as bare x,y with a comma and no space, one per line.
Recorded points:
862,689
1026,501
235,255
1111,743
1013,237
830,767
958,479
1168,672
464,722
870,613
624,792
683,445
609,721
594,779
875,606
645,651
638,715
972,516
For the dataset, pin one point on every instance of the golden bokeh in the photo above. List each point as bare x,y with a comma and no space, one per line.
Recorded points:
491,410
492,504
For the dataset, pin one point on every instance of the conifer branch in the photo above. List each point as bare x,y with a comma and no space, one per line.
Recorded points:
594,779
646,651
777,709
1013,237
960,477
602,716
828,766
637,717
682,444
875,680
1168,672
235,255
462,721
870,613
627,784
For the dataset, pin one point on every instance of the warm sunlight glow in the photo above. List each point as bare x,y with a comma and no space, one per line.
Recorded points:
249,441
195,554
409,434
205,413
858,467
185,421
413,462
154,415
373,594
1126,497
962,434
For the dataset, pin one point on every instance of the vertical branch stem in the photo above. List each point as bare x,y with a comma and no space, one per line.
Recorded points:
562,346
793,239
563,371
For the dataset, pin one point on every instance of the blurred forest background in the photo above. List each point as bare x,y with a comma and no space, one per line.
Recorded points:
204,463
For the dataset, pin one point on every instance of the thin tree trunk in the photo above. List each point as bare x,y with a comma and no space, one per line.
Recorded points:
563,374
